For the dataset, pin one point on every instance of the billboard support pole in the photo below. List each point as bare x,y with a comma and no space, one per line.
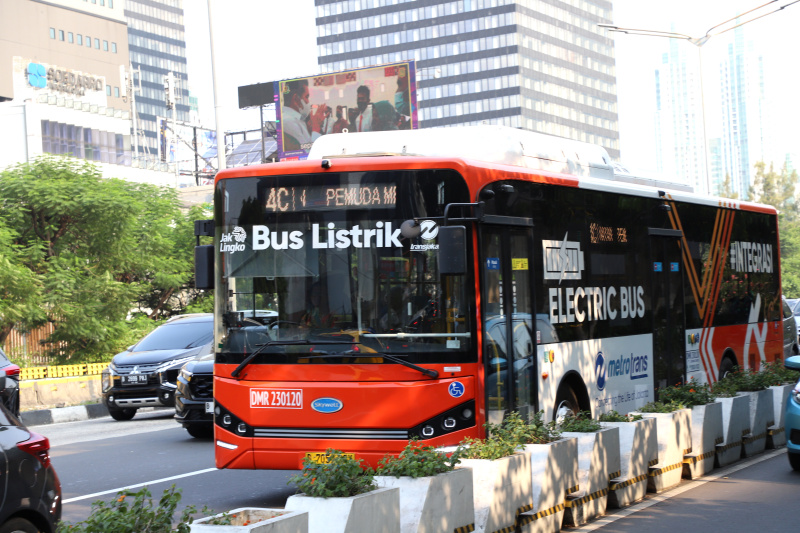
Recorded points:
263,131
221,163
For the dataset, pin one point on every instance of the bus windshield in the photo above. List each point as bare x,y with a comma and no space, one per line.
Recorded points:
317,265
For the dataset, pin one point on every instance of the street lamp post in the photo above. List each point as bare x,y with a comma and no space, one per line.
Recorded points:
723,27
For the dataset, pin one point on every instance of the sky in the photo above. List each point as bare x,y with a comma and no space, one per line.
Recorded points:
258,41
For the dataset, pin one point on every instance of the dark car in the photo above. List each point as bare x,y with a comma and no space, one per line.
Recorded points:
790,343
9,383
146,374
194,399
30,493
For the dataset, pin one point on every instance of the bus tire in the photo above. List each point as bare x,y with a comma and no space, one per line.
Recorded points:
726,366
566,403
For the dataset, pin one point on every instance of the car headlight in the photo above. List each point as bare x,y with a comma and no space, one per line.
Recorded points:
175,363
186,375
106,379
796,394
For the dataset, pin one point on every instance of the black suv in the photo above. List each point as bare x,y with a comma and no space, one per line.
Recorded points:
194,399
145,374
30,492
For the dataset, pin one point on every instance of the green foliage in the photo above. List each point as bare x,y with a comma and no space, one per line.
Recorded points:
777,374
134,512
614,416
749,380
204,303
581,423
83,251
662,407
417,460
340,476
687,394
510,436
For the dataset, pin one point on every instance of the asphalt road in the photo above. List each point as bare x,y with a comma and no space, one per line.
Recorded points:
96,458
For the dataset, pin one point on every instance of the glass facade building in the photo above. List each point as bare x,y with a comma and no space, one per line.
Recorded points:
541,65
157,45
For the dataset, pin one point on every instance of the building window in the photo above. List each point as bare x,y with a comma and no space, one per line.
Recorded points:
97,43
116,92
88,41
105,46
70,38
114,47
80,39
111,4
102,2
52,33
60,35
108,90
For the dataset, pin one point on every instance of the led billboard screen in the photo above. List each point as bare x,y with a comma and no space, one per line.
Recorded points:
367,99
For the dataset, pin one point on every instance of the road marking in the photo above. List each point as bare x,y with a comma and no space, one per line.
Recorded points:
129,487
689,485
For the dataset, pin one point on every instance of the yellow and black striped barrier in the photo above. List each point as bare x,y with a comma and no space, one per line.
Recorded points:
469,528
61,371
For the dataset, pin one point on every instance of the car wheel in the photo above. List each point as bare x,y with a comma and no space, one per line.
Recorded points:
200,432
122,414
18,525
794,460
566,403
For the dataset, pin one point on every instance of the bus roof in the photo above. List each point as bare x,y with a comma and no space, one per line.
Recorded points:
489,143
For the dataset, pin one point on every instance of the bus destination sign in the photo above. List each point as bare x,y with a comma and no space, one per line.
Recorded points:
308,198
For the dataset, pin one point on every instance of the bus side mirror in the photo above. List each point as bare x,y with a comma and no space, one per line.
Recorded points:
453,250
204,266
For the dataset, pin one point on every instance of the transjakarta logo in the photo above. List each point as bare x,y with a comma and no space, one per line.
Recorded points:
37,75
429,230
227,244
562,259
634,366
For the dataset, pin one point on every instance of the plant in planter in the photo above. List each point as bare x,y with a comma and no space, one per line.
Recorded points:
638,449
134,512
253,520
434,495
706,425
752,384
598,457
501,474
780,380
674,435
340,495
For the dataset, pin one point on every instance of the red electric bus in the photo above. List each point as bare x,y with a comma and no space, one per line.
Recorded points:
417,284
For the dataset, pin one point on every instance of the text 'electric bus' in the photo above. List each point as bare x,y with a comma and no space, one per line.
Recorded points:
418,284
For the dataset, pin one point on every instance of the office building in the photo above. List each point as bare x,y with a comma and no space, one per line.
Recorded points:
541,65
157,44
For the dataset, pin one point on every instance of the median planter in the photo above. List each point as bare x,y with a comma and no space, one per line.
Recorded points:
754,441
553,475
501,488
377,511
443,502
638,449
735,422
674,436
254,520
706,422
598,458
776,432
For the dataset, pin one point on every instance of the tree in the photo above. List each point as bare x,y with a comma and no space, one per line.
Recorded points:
99,247
20,287
725,189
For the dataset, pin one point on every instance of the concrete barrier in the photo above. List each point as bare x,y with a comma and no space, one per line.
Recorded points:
59,392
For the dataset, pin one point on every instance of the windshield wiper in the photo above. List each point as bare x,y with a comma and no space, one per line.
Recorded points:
393,358
298,342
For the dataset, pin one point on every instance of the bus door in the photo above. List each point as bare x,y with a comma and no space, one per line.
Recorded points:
669,348
509,334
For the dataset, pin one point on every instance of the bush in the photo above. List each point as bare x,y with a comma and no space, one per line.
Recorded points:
133,512
341,476
511,435
687,394
662,407
743,380
614,416
581,423
417,460
777,374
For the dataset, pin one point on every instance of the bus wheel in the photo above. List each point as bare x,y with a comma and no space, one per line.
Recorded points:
566,404
725,367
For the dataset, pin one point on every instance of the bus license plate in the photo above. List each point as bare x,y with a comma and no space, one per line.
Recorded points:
321,458
209,407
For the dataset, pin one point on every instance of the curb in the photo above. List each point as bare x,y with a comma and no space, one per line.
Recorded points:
63,414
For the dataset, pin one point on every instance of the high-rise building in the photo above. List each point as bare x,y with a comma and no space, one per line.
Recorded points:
157,45
541,65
